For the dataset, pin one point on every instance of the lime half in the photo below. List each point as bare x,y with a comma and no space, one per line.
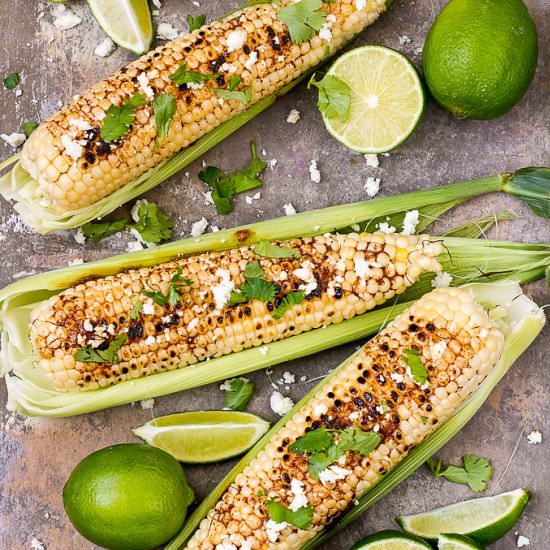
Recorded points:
391,540
127,22
387,100
457,542
203,436
484,519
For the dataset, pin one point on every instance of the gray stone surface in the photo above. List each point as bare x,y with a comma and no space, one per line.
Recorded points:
36,456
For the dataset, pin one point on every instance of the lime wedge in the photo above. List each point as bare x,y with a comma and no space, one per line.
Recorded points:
391,540
484,519
127,22
203,436
457,542
387,100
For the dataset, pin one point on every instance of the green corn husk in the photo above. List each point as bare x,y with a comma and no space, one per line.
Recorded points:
525,321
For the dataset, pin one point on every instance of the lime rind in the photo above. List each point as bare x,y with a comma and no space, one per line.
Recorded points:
408,102
484,519
391,540
452,541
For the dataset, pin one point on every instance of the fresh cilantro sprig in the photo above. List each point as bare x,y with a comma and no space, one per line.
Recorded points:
418,370
289,301
313,441
476,473
255,286
267,249
244,96
303,19
239,393
119,119
195,21
182,76
98,231
175,289
300,518
11,81
29,127
88,354
164,109
224,188
334,96
136,311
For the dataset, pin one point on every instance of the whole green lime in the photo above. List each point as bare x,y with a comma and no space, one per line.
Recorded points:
127,497
480,56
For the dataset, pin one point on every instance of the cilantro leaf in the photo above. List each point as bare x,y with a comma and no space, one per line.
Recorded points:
234,82
182,76
267,249
96,355
175,288
418,370
99,231
164,109
195,21
313,441
239,394
119,119
318,462
29,127
11,81
253,270
236,298
258,289
154,225
301,518
136,311
476,472
289,301
358,441
434,466
303,19
334,97
244,96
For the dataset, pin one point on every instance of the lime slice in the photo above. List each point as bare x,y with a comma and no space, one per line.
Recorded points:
391,540
457,542
387,99
484,519
127,22
203,436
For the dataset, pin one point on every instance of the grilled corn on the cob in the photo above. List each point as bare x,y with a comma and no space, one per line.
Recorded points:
75,168
459,345
339,275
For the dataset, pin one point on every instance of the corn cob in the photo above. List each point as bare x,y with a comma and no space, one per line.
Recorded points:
459,345
75,168
341,275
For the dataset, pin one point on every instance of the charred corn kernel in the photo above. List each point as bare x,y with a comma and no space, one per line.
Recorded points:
375,391
75,177
201,324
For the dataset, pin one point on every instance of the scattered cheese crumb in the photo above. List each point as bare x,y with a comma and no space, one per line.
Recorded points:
372,186
333,473
442,279
314,173
148,308
319,410
18,93
293,117
65,18
372,160
150,340
305,274
438,350
222,291
404,39
251,61
165,31
36,544
80,124
362,268
263,350
198,228
360,4
105,48
225,545
280,404
410,222
134,246
144,83
386,228
300,498
147,403
289,209
523,541
79,236
272,529
228,68
72,148
289,378
535,437
194,323
14,140
236,40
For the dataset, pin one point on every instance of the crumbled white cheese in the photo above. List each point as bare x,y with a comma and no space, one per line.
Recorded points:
289,377
397,377
522,541
314,173
147,403
222,291
535,437
198,228
228,68
194,323
442,279
362,267
236,40
293,117
214,228
386,228
150,340
79,236
225,545
65,18
333,473
325,33
249,199
195,85
36,544
251,61
18,93
404,39
272,163
376,428
305,274
105,48
289,209
410,222
263,350
272,529
14,140
148,308
360,4
87,325
80,124
438,350
300,498
72,148
165,31
320,409
372,160
280,404
144,83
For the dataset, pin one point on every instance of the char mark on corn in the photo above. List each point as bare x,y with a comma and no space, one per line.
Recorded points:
338,276
75,168
457,343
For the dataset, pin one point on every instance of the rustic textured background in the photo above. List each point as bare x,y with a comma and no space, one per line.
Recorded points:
36,456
